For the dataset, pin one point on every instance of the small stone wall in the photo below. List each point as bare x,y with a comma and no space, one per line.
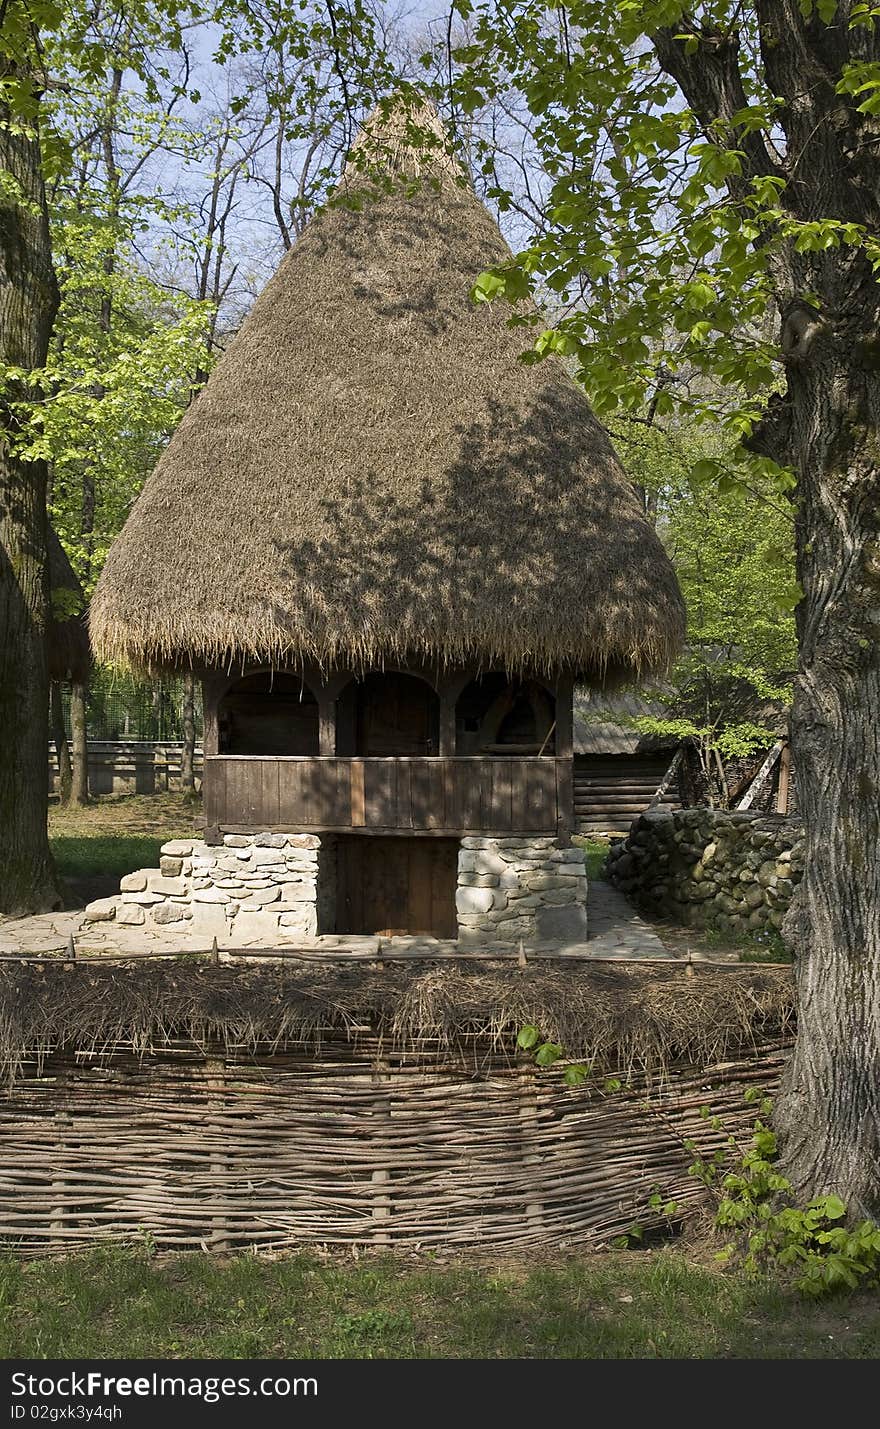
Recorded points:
251,886
710,868
520,889
283,886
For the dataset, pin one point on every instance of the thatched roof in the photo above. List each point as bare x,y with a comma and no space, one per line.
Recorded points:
67,639
625,1015
371,472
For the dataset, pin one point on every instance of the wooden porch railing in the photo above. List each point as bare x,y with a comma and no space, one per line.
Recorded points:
455,796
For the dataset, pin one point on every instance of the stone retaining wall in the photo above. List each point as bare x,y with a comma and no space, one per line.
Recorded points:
251,886
283,886
710,868
520,889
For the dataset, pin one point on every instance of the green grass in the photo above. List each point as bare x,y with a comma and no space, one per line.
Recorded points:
122,1303
88,856
114,835
595,854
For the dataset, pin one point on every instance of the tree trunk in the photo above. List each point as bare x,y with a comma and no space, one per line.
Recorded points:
79,791
187,777
62,747
28,302
827,428
829,1113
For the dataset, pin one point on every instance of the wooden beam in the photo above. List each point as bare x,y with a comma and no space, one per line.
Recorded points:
565,717
782,793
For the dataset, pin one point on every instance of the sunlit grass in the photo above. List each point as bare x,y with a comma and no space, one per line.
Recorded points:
123,1303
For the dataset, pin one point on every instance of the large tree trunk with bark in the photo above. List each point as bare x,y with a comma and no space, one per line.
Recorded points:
827,427
28,302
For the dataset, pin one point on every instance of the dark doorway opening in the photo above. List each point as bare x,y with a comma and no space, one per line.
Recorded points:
498,715
388,714
268,713
396,886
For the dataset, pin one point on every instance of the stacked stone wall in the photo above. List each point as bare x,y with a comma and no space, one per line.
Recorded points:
250,886
521,889
733,871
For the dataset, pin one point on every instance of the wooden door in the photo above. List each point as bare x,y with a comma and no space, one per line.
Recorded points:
396,886
397,714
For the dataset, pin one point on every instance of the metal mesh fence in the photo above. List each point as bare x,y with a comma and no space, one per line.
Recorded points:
120,707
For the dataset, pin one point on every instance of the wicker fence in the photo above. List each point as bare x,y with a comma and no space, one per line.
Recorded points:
351,1143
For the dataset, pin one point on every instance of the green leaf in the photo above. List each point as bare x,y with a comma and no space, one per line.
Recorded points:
528,1037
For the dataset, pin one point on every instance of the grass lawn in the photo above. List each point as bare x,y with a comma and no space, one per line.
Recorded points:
615,1305
94,845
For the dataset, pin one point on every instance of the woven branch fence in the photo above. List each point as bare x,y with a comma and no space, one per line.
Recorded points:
348,1138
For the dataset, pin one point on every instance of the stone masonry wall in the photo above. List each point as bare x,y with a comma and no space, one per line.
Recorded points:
710,868
520,889
251,886
283,886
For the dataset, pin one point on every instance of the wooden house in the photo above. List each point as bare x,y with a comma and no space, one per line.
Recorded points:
617,768
390,548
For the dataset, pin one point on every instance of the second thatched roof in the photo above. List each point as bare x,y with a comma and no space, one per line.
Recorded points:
372,473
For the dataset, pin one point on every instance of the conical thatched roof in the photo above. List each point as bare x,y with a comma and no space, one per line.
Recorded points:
67,638
371,472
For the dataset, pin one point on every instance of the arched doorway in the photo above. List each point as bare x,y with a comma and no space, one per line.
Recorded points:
388,713
495,714
268,713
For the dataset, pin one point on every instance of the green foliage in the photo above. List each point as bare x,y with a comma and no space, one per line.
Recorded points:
772,1233
663,235
733,551
664,1223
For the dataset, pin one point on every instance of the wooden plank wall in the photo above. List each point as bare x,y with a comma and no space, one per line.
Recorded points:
391,886
500,795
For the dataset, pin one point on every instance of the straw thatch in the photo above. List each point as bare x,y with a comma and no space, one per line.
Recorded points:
371,473
68,641
614,1014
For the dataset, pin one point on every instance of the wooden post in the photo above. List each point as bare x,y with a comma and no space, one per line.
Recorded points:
761,777
216,1136
213,687
565,757
449,688
326,724
659,792
565,717
782,793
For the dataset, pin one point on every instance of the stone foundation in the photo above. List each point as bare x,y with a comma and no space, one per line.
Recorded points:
709,868
520,889
250,886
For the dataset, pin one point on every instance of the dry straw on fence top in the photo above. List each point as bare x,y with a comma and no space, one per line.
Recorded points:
371,473
620,1015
